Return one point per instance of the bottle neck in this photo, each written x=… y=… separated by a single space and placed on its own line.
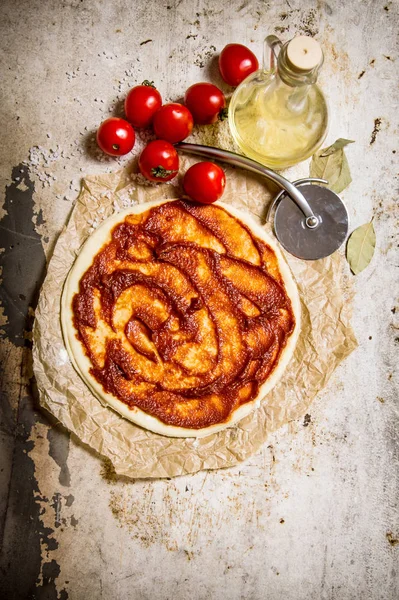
x=294 y=77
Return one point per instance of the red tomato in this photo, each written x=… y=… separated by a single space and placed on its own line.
x=236 y=62
x=206 y=103
x=204 y=182
x=159 y=161
x=141 y=104
x=116 y=136
x=173 y=122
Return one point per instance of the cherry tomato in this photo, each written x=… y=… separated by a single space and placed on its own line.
x=206 y=103
x=159 y=161
x=116 y=136
x=173 y=122
x=204 y=182
x=141 y=104
x=236 y=62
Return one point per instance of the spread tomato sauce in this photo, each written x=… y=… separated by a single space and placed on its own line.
x=183 y=314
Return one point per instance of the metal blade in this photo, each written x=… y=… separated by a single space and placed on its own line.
x=326 y=238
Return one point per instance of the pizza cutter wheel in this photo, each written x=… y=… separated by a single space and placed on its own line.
x=310 y=221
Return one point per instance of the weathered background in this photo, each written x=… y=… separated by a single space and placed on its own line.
x=314 y=515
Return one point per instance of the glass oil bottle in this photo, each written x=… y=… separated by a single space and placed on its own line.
x=278 y=115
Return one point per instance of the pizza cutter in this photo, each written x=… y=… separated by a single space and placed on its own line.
x=310 y=221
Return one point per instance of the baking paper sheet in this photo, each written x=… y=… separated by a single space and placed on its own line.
x=325 y=340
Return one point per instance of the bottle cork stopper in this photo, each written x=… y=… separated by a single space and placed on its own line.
x=304 y=53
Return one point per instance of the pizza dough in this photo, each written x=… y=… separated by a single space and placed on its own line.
x=180 y=317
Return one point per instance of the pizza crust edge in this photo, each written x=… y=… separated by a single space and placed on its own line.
x=81 y=361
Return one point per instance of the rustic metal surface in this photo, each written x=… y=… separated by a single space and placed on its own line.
x=314 y=515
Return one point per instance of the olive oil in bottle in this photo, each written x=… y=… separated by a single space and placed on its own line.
x=278 y=115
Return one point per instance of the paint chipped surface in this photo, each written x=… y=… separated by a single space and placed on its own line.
x=377 y=127
x=295 y=519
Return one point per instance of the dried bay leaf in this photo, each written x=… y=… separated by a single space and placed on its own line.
x=337 y=145
x=331 y=164
x=360 y=247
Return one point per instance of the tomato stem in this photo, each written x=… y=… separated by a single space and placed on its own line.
x=161 y=172
x=148 y=83
x=224 y=113
x=115 y=146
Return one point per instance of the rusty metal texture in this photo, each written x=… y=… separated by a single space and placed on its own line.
x=314 y=515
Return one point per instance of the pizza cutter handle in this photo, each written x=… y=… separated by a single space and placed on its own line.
x=232 y=158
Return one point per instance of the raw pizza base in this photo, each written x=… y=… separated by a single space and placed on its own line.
x=82 y=363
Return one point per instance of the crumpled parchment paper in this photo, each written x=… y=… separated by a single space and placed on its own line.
x=325 y=340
